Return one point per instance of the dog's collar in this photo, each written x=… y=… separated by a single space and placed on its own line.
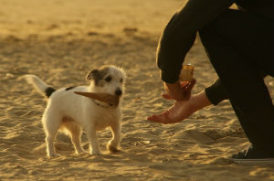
x=100 y=104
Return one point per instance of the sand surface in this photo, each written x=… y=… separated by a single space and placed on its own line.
x=61 y=41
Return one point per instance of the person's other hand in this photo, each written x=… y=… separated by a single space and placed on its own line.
x=179 y=91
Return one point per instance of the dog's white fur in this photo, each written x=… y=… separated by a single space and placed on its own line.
x=71 y=113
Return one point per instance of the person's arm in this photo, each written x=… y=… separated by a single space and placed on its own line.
x=182 y=109
x=180 y=32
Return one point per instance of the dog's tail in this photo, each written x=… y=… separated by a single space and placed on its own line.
x=39 y=85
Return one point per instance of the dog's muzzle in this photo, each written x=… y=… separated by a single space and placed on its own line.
x=118 y=92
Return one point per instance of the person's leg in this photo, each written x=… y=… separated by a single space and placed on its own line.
x=239 y=46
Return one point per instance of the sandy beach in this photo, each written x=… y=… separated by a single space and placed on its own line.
x=61 y=41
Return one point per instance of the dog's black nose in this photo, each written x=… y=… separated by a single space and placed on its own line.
x=118 y=92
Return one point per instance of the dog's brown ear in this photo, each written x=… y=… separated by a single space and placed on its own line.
x=92 y=75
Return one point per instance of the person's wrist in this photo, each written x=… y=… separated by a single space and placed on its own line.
x=172 y=85
x=199 y=101
x=194 y=103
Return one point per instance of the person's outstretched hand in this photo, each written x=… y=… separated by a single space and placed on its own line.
x=182 y=108
x=178 y=112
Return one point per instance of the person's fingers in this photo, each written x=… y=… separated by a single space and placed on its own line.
x=190 y=85
x=186 y=87
x=160 y=118
x=167 y=96
x=173 y=95
x=184 y=83
x=156 y=118
x=163 y=118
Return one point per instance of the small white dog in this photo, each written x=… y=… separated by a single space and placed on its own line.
x=72 y=113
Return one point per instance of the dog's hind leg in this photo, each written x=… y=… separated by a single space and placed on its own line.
x=51 y=123
x=76 y=140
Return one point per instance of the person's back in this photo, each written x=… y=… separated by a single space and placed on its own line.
x=260 y=7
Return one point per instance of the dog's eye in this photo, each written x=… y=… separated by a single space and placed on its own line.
x=108 y=78
x=121 y=80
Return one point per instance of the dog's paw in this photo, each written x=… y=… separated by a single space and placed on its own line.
x=53 y=155
x=81 y=153
x=95 y=152
x=112 y=149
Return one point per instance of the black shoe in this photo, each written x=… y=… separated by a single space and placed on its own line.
x=252 y=155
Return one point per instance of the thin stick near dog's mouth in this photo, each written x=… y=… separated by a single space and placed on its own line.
x=104 y=97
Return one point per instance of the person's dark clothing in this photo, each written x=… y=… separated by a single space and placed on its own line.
x=216 y=93
x=239 y=44
x=238 y=56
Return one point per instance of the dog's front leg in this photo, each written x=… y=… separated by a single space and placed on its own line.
x=93 y=144
x=116 y=137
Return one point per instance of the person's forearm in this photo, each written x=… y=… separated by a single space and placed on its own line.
x=180 y=33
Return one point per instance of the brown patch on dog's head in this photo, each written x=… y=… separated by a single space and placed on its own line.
x=98 y=75
x=107 y=79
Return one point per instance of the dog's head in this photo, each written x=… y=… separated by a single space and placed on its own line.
x=108 y=79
